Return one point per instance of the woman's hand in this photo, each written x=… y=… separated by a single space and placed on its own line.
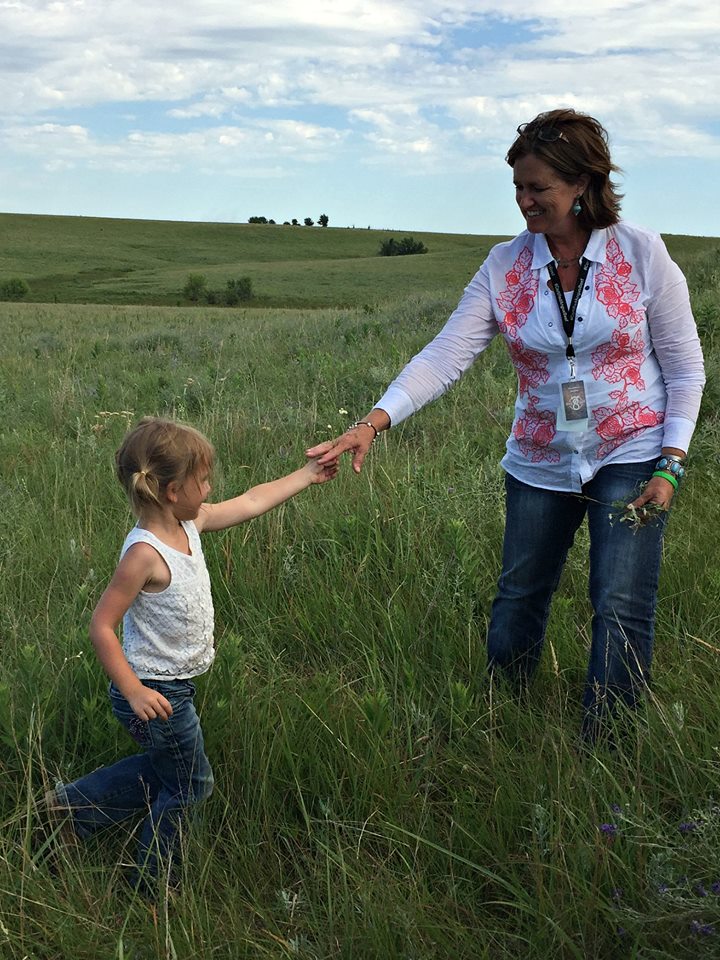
x=658 y=491
x=357 y=439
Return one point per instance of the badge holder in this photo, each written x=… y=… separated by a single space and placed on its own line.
x=572 y=411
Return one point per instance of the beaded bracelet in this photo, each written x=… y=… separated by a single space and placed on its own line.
x=671 y=464
x=666 y=476
x=366 y=423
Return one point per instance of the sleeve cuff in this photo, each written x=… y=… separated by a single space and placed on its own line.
x=396 y=404
x=678 y=433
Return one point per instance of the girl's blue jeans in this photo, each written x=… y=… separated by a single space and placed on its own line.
x=170 y=774
x=624 y=573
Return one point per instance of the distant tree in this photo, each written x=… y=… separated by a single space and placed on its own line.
x=258 y=220
x=286 y=223
x=13 y=289
x=401 y=248
x=195 y=287
x=295 y=222
x=308 y=222
x=323 y=219
x=271 y=221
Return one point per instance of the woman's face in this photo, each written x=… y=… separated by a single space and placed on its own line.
x=545 y=200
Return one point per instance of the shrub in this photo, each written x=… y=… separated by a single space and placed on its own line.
x=13 y=289
x=195 y=287
x=401 y=248
x=237 y=291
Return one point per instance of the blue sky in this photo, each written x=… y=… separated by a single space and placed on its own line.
x=382 y=113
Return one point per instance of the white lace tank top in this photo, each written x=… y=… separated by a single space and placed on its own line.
x=169 y=635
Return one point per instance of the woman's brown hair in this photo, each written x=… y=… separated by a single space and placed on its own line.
x=574 y=144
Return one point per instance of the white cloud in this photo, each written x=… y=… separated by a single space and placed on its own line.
x=221 y=147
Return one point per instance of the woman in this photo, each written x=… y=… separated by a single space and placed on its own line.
x=597 y=320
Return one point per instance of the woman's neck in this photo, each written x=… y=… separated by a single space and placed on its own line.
x=568 y=247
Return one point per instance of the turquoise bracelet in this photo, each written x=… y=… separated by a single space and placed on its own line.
x=666 y=476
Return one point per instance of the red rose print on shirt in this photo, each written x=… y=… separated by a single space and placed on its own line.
x=517 y=299
x=620 y=360
x=616 y=425
x=615 y=289
x=534 y=432
x=531 y=367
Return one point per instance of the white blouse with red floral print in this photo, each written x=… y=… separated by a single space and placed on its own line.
x=636 y=344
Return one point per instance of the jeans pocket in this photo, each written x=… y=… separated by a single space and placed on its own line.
x=123 y=713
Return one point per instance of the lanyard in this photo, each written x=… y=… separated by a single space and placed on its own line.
x=568 y=316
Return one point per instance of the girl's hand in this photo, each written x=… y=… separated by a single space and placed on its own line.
x=657 y=490
x=321 y=473
x=148 y=704
x=357 y=439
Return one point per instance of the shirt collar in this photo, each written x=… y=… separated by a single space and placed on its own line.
x=595 y=251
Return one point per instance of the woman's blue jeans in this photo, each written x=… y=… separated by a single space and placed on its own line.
x=170 y=774
x=624 y=573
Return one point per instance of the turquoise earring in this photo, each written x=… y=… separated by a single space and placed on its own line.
x=577 y=207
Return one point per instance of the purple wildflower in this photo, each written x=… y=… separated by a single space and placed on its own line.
x=616 y=808
x=700 y=890
x=702 y=929
x=609 y=829
x=617 y=893
x=715 y=887
x=689 y=826
x=663 y=888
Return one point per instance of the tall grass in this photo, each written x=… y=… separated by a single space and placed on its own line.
x=375 y=797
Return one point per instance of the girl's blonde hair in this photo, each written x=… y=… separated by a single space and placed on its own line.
x=158 y=452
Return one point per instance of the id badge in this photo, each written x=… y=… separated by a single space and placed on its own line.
x=573 y=412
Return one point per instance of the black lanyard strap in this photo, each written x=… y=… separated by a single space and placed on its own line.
x=568 y=316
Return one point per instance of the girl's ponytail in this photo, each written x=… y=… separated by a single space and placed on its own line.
x=144 y=490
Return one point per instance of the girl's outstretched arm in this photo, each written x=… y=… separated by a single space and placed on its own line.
x=137 y=569
x=260 y=499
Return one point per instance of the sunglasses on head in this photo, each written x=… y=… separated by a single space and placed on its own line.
x=547 y=134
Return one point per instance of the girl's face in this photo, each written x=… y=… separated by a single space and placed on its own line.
x=188 y=498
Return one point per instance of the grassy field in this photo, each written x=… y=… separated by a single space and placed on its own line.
x=374 y=798
x=86 y=260
x=94 y=260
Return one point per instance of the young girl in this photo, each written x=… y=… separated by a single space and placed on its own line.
x=161 y=592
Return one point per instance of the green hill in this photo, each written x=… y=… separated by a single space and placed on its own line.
x=97 y=260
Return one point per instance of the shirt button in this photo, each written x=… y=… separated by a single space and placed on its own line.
x=550 y=323
x=580 y=319
x=576 y=451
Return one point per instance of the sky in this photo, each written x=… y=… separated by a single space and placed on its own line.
x=390 y=114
